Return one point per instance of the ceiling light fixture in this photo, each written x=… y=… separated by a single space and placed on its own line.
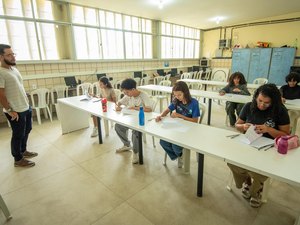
x=160 y=4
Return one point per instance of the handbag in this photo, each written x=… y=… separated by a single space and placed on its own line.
x=286 y=142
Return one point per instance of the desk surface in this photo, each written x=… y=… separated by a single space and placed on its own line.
x=213 y=95
x=206 y=140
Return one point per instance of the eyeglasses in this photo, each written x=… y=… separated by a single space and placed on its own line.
x=11 y=55
x=259 y=102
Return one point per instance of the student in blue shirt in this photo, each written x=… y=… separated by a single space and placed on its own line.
x=182 y=106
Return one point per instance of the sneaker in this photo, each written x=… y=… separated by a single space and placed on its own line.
x=245 y=191
x=95 y=132
x=180 y=162
x=135 y=158
x=28 y=154
x=123 y=149
x=24 y=163
x=255 y=202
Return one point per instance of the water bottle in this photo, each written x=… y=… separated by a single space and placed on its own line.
x=141 y=116
x=104 y=104
x=283 y=145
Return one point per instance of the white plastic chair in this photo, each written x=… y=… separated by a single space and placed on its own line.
x=185 y=76
x=137 y=80
x=95 y=89
x=186 y=153
x=260 y=81
x=197 y=76
x=162 y=96
x=40 y=100
x=117 y=84
x=4 y=209
x=158 y=79
x=60 y=91
x=264 y=194
x=207 y=75
x=84 y=88
x=167 y=77
x=145 y=81
x=153 y=106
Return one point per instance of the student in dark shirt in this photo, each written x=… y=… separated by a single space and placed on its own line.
x=236 y=85
x=291 y=90
x=271 y=119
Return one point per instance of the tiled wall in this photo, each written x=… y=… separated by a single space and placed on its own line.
x=48 y=69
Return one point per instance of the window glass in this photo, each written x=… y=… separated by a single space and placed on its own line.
x=48 y=41
x=90 y=16
x=77 y=14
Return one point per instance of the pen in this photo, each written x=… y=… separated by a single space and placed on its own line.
x=233 y=136
x=98 y=100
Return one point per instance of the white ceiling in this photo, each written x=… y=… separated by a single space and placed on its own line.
x=199 y=13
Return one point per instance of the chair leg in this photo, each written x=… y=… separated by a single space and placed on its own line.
x=50 y=115
x=5 y=209
x=229 y=185
x=144 y=138
x=165 y=159
x=266 y=188
x=45 y=113
x=186 y=160
x=153 y=142
x=38 y=115
x=106 y=127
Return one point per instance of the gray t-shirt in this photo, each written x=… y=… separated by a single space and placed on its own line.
x=142 y=99
x=11 y=81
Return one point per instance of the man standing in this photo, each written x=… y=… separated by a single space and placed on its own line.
x=15 y=107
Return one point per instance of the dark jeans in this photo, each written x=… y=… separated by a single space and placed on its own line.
x=20 y=132
x=230 y=108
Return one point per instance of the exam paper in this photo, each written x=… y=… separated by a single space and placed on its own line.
x=173 y=123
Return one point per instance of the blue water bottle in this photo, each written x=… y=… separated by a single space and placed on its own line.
x=141 y=116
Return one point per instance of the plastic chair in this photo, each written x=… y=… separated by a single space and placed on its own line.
x=260 y=81
x=60 y=91
x=158 y=79
x=95 y=89
x=153 y=106
x=84 y=88
x=167 y=77
x=117 y=85
x=162 y=96
x=5 y=209
x=264 y=194
x=185 y=76
x=197 y=76
x=145 y=81
x=42 y=101
x=186 y=153
x=137 y=80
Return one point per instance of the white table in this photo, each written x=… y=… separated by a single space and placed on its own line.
x=200 y=138
x=75 y=115
x=213 y=95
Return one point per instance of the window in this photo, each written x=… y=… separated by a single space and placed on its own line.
x=179 y=41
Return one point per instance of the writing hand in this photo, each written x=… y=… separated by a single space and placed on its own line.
x=158 y=118
x=246 y=126
x=118 y=108
x=260 y=129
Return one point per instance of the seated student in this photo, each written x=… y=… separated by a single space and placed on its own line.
x=291 y=90
x=106 y=91
x=271 y=119
x=182 y=106
x=133 y=99
x=236 y=85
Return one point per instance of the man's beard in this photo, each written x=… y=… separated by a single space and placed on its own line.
x=9 y=63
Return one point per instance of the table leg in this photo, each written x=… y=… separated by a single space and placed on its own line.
x=209 y=111
x=205 y=88
x=200 y=175
x=140 y=138
x=99 y=130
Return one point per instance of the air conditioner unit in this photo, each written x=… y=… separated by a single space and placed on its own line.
x=224 y=43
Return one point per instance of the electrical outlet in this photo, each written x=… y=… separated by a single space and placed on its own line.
x=33 y=86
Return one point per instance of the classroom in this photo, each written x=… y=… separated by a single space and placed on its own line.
x=79 y=175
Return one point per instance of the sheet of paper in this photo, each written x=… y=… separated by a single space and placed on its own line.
x=258 y=143
x=127 y=111
x=172 y=123
x=293 y=102
x=251 y=134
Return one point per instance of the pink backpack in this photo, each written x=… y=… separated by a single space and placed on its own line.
x=286 y=142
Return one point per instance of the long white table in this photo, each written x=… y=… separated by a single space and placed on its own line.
x=203 y=139
x=213 y=95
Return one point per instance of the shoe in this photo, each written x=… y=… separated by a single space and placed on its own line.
x=245 y=191
x=24 y=163
x=95 y=132
x=180 y=162
x=28 y=154
x=123 y=149
x=255 y=202
x=135 y=158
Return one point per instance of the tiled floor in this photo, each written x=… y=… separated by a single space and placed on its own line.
x=78 y=181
